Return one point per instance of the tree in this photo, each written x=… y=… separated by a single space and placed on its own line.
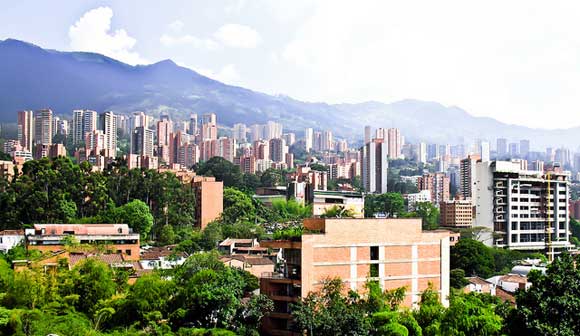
x=429 y=215
x=328 y=312
x=136 y=214
x=469 y=315
x=457 y=278
x=237 y=206
x=551 y=305
x=167 y=235
x=390 y=203
x=222 y=170
x=92 y=281
x=473 y=257
x=337 y=211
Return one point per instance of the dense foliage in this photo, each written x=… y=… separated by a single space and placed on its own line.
x=331 y=312
x=194 y=299
x=475 y=258
x=59 y=191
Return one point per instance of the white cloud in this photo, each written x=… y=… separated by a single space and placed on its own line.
x=515 y=61
x=229 y=35
x=237 y=36
x=178 y=40
x=92 y=32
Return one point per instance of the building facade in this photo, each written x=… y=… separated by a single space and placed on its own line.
x=522 y=207
x=394 y=252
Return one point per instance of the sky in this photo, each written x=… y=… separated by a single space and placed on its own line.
x=515 y=61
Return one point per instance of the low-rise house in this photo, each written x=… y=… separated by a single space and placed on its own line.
x=10 y=239
x=164 y=257
x=511 y=282
x=113 y=238
x=479 y=285
x=256 y=265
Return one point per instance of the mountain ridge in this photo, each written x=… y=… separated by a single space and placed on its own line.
x=32 y=77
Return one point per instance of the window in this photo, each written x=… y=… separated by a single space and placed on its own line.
x=119 y=230
x=374 y=268
x=128 y=252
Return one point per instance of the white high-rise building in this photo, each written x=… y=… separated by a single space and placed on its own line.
x=84 y=121
x=374 y=167
x=520 y=207
x=108 y=124
x=308 y=139
x=240 y=133
x=484 y=151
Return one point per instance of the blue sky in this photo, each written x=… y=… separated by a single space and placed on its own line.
x=516 y=61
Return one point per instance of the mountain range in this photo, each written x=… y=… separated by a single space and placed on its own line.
x=32 y=78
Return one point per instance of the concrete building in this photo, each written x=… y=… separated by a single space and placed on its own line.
x=318 y=179
x=240 y=132
x=327 y=141
x=83 y=122
x=437 y=183
x=290 y=138
x=142 y=141
x=43 y=127
x=467 y=175
x=521 y=207
x=209 y=127
x=108 y=124
x=367 y=136
x=117 y=238
x=193 y=127
x=374 y=166
x=308 y=139
x=456 y=213
x=278 y=149
x=394 y=252
x=10 y=239
x=324 y=200
x=524 y=148
x=501 y=149
x=26 y=129
x=209 y=200
x=395 y=143
x=420 y=197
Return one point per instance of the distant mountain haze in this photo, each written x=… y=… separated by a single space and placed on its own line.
x=34 y=78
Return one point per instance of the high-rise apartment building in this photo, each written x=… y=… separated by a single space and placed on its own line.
x=108 y=124
x=164 y=137
x=395 y=143
x=43 y=127
x=308 y=139
x=514 y=150
x=193 y=127
x=367 y=138
x=290 y=138
x=421 y=152
x=520 y=207
x=142 y=141
x=502 y=148
x=437 y=183
x=484 y=150
x=278 y=150
x=139 y=119
x=374 y=166
x=26 y=129
x=240 y=133
x=524 y=148
x=467 y=176
x=327 y=141
x=209 y=127
x=83 y=122
x=227 y=148
x=272 y=130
